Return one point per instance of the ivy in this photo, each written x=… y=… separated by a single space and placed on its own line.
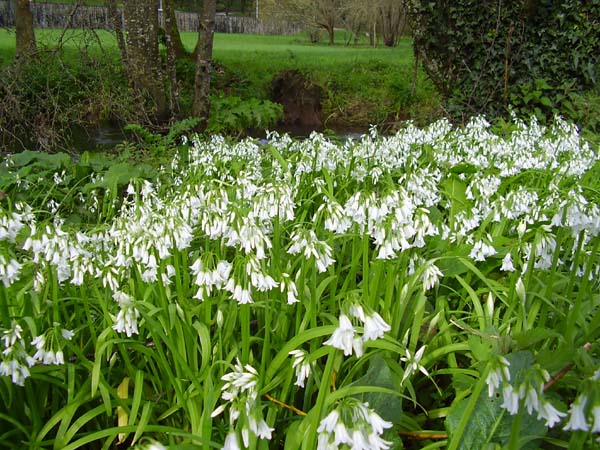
x=484 y=54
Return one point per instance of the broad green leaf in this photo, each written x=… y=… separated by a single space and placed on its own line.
x=491 y=424
x=389 y=407
x=533 y=336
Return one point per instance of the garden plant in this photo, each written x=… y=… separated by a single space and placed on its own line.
x=437 y=288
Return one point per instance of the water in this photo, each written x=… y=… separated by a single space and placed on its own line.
x=106 y=136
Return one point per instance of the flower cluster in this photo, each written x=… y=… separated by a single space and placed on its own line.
x=16 y=357
x=347 y=338
x=241 y=394
x=301 y=364
x=584 y=412
x=528 y=392
x=353 y=424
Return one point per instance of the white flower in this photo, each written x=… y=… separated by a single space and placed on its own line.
x=352 y=424
x=413 y=363
x=507 y=263
x=259 y=427
x=481 y=250
x=357 y=311
x=498 y=374
x=242 y=295
x=431 y=276
x=231 y=442
x=67 y=334
x=9 y=271
x=511 y=399
x=342 y=336
x=15 y=370
x=240 y=380
x=306 y=241
x=577 y=419
x=126 y=321
x=596 y=415
x=302 y=366
x=532 y=399
x=329 y=422
x=155 y=445
x=221 y=273
x=520 y=290
x=374 y=327
x=12 y=335
x=240 y=391
x=288 y=285
x=549 y=413
x=357 y=346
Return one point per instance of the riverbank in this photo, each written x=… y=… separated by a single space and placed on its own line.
x=360 y=86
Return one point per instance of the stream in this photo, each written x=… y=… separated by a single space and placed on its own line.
x=107 y=136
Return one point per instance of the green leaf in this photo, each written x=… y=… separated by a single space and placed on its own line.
x=533 y=336
x=481 y=349
x=379 y=374
x=491 y=424
x=295 y=435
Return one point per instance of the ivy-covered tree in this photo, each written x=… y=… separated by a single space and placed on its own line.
x=483 y=55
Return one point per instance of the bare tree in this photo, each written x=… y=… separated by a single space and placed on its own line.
x=24 y=29
x=323 y=14
x=201 y=108
x=393 y=17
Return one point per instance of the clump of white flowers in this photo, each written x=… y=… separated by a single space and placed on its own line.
x=528 y=394
x=126 y=320
x=307 y=243
x=301 y=364
x=240 y=391
x=16 y=357
x=352 y=424
x=584 y=412
x=347 y=338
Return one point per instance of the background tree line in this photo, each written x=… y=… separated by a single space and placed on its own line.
x=378 y=19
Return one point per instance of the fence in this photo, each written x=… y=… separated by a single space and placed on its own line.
x=52 y=15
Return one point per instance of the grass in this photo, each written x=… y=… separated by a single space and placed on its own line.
x=432 y=289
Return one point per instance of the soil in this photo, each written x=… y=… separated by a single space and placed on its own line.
x=301 y=99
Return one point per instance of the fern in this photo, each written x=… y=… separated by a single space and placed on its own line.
x=234 y=116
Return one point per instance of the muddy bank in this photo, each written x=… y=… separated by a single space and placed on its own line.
x=301 y=99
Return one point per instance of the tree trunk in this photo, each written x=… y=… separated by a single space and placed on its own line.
x=141 y=22
x=24 y=29
x=172 y=30
x=331 y=32
x=116 y=17
x=174 y=45
x=204 y=63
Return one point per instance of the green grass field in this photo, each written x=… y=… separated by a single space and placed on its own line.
x=238 y=46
